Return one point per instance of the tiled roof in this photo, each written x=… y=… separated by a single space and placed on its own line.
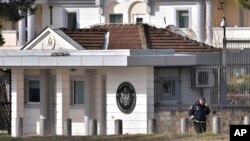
x=87 y=38
x=123 y=36
x=135 y=36
x=165 y=39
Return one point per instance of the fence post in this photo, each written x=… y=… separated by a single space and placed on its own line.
x=151 y=126
x=67 y=127
x=93 y=127
x=19 y=126
x=118 y=127
x=216 y=125
x=184 y=125
x=43 y=126
x=246 y=120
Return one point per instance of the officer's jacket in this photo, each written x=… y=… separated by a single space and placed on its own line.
x=199 y=111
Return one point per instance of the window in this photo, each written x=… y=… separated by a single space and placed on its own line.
x=78 y=92
x=116 y=18
x=71 y=20
x=139 y=20
x=168 y=88
x=183 y=18
x=33 y=91
x=203 y=78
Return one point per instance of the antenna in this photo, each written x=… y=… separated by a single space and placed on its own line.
x=165 y=22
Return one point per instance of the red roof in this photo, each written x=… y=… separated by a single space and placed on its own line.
x=135 y=36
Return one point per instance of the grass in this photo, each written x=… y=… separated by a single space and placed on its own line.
x=139 y=137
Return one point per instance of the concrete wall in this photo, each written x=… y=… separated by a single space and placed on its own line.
x=141 y=79
x=169 y=120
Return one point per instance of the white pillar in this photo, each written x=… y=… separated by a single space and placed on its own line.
x=209 y=22
x=31 y=26
x=17 y=98
x=200 y=21
x=44 y=102
x=88 y=100
x=62 y=99
x=103 y=120
x=21 y=32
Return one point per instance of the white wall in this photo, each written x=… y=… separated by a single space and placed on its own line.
x=31 y=121
x=77 y=117
x=161 y=10
x=87 y=16
x=140 y=78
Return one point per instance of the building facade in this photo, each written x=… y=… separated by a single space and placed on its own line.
x=106 y=72
x=192 y=17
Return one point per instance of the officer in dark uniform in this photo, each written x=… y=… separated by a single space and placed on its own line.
x=198 y=113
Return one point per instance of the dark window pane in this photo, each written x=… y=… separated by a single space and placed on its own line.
x=139 y=20
x=203 y=78
x=116 y=18
x=34 y=90
x=78 y=92
x=72 y=23
x=168 y=88
x=183 y=19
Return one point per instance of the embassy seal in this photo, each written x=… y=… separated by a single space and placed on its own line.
x=126 y=97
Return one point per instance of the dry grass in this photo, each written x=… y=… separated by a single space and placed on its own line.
x=140 y=137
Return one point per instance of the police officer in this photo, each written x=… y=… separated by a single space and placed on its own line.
x=198 y=113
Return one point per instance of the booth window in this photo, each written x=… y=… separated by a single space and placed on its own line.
x=78 y=92
x=33 y=91
x=115 y=18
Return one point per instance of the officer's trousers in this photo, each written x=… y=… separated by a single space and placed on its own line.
x=199 y=127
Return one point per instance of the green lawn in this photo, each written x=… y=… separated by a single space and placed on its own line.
x=140 y=137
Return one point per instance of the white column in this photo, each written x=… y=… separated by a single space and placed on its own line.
x=103 y=120
x=21 y=32
x=17 y=98
x=209 y=22
x=31 y=26
x=88 y=99
x=62 y=99
x=200 y=21
x=44 y=102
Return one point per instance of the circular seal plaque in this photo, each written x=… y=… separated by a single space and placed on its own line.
x=126 y=97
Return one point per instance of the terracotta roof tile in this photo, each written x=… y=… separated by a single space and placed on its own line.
x=123 y=36
x=159 y=38
x=135 y=36
x=87 y=38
